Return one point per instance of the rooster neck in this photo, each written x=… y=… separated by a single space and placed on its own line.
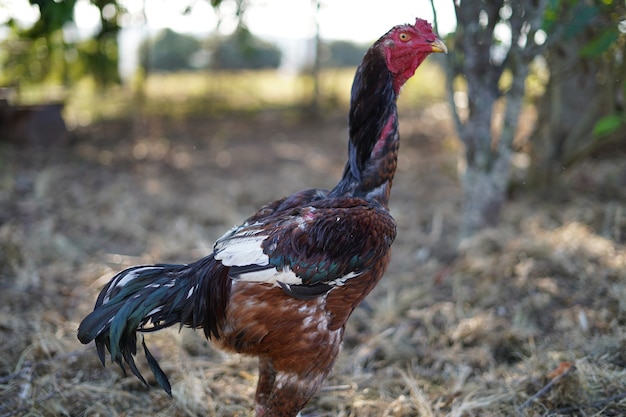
x=373 y=130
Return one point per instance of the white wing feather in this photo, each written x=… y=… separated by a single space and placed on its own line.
x=242 y=246
x=241 y=251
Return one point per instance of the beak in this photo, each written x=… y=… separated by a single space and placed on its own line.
x=439 y=46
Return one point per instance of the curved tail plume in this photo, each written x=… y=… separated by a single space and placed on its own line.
x=149 y=298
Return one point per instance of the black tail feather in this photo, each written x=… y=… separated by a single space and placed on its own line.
x=160 y=376
x=150 y=298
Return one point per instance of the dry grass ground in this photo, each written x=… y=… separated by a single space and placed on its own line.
x=524 y=320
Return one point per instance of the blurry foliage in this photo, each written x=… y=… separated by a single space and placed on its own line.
x=339 y=54
x=41 y=54
x=103 y=61
x=53 y=16
x=583 y=109
x=32 y=60
x=37 y=53
x=243 y=50
x=170 y=51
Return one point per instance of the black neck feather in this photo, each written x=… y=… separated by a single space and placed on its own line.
x=372 y=105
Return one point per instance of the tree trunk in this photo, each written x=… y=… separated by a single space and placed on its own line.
x=479 y=58
x=313 y=109
x=484 y=195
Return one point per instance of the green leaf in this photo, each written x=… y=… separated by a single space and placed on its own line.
x=608 y=124
x=581 y=19
x=600 y=44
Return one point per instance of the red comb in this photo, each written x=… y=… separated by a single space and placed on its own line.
x=423 y=26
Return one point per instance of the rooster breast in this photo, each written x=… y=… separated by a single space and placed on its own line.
x=262 y=320
x=296 y=278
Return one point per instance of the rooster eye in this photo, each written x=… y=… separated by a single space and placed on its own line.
x=404 y=37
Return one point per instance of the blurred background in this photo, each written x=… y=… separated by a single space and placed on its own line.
x=138 y=131
x=70 y=51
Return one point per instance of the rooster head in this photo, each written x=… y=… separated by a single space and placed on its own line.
x=406 y=46
x=373 y=118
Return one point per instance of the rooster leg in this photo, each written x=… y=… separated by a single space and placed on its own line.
x=283 y=393
x=267 y=376
x=288 y=395
x=280 y=394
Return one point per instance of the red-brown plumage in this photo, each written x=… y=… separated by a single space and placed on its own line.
x=342 y=302
x=291 y=337
x=283 y=284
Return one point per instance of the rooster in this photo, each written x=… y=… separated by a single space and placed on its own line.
x=283 y=284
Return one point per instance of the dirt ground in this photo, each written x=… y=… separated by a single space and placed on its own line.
x=526 y=319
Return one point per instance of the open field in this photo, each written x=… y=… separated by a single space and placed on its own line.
x=216 y=93
x=524 y=320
